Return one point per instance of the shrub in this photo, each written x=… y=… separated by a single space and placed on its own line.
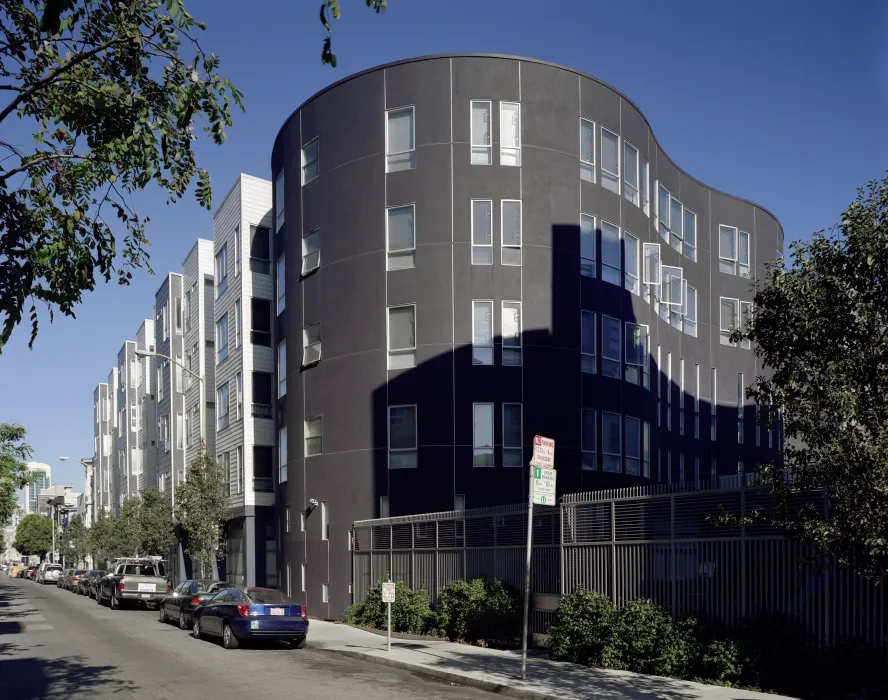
x=582 y=628
x=722 y=661
x=647 y=639
x=474 y=610
x=410 y=611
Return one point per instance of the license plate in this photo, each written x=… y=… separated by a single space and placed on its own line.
x=276 y=611
x=146 y=595
x=254 y=624
x=147 y=587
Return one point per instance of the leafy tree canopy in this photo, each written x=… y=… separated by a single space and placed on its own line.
x=202 y=509
x=156 y=516
x=14 y=473
x=820 y=327
x=329 y=11
x=33 y=536
x=74 y=542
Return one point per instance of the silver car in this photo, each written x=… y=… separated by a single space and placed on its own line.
x=50 y=574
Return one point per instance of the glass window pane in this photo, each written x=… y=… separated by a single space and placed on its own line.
x=651 y=263
x=675 y=218
x=402 y=330
x=510 y=124
x=587 y=141
x=633 y=437
x=610 y=338
x=630 y=164
x=587 y=245
x=610 y=433
x=690 y=227
x=672 y=278
x=511 y=223
x=483 y=425
x=727 y=242
x=402 y=427
x=588 y=333
x=482 y=223
x=480 y=123
x=610 y=245
x=400 y=130
x=691 y=305
x=589 y=441
x=312 y=334
x=512 y=324
x=483 y=333
x=610 y=158
x=400 y=228
x=744 y=248
x=630 y=256
x=636 y=339
x=663 y=206
x=728 y=314
x=511 y=425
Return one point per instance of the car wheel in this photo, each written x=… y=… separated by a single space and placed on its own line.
x=229 y=640
x=298 y=643
x=183 y=623
x=162 y=615
x=195 y=629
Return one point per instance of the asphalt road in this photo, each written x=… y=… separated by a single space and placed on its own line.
x=54 y=644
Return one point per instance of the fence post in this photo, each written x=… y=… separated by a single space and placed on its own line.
x=434 y=596
x=561 y=548
x=412 y=556
x=354 y=582
x=613 y=548
x=672 y=553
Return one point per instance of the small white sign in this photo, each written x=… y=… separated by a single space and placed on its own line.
x=388 y=592
x=543 y=452
x=543 y=486
x=147 y=587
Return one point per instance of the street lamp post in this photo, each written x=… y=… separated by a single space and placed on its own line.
x=202 y=384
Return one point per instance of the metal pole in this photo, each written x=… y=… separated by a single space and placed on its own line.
x=527 y=575
x=54 y=534
x=389 y=622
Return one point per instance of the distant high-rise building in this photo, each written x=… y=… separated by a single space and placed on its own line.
x=43 y=480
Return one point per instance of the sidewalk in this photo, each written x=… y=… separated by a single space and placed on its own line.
x=499 y=671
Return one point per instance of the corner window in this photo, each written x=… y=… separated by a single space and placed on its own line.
x=482 y=432
x=281 y=284
x=311 y=344
x=690 y=234
x=281 y=369
x=630 y=173
x=511 y=333
x=400 y=146
x=610 y=160
x=727 y=249
x=645 y=187
x=589 y=439
x=311 y=251
x=482 y=232
x=610 y=253
x=510 y=238
x=610 y=347
x=690 y=312
x=221 y=270
x=729 y=319
x=633 y=446
x=481 y=148
x=588 y=359
x=587 y=246
x=402 y=437
x=587 y=150
x=611 y=442
x=636 y=354
x=401 y=337
x=222 y=407
x=401 y=237
x=279 y=200
x=313 y=436
x=743 y=257
x=282 y=463
x=512 y=435
x=310 y=161
x=482 y=332
x=222 y=338
x=510 y=133
x=630 y=261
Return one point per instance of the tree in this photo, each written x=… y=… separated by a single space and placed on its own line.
x=156 y=516
x=330 y=10
x=33 y=536
x=820 y=326
x=101 y=539
x=114 y=102
x=74 y=543
x=202 y=509
x=14 y=472
x=126 y=529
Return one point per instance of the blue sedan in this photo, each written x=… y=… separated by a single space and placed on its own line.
x=236 y=614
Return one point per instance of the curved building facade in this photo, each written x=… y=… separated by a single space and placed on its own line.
x=472 y=250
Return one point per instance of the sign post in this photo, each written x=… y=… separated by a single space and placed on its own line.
x=388 y=597
x=541 y=490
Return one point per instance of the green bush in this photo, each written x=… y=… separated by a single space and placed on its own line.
x=722 y=661
x=582 y=628
x=647 y=639
x=411 y=610
x=474 y=610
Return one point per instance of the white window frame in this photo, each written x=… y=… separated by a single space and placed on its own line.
x=630 y=267
x=411 y=151
x=238 y=322
x=307 y=437
x=689 y=250
x=642 y=367
x=727 y=264
x=187 y=310
x=589 y=457
x=503 y=245
x=399 y=352
x=403 y=450
x=614 y=369
x=281 y=283
x=609 y=273
x=180 y=430
x=745 y=312
x=607 y=175
x=237 y=251
x=511 y=450
x=513 y=355
x=474 y=147
x=724 y=332
x=401 y=253
x=481 y=359
x=645 y=182
x=134 y=417
x=743 y=267
x=279 y=196
x=511 y=150
x=306 y=164
x=676 y=230
x=283 y=460
x=588 y=266
x=308 y=360
x=667 y=287
x=589 y=361
x=282 y=371
x=485 y=450
x=630 y=190
x=690 y=311
x=325 y=531
x=306 y=265
x=661 y=224
x=587 y=168
x=219 y=344
x=221 y=272
x=239 y=395
x=472 y=231
x=615 y=458
x=222 y=406
x=651 y=263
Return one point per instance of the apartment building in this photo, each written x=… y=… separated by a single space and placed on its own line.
x=42 y=480
x=145 y=422
x=244 y=377
x=128 y=456
x=113 y=449
x=101 y=489
x=169 y=383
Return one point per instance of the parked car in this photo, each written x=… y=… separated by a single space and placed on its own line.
x=74 y=583
x=90 y=580
x=65 y=579
x=134 y=581
x=236 y=614
x=16 y=571
x=179 y=606
x=30 y=571
x=50 y=574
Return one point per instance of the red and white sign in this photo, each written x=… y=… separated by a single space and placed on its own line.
x=543 y=452
x=388 y=592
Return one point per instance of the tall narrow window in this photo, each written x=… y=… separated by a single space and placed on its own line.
x=314 y=436
x=587 y=150
x=237 y=250
x=610 y=160
x=279 y=201
x=180 y=430
x=402 y=437
x=646 y=450
x=282 y=368
x=633 y=446
x=482 y=434
x=221 y=271
x=610 y=347
x=727 y=249
x=743 y=255
x=482 y=232
x=651 y=270
x=630 y=261
x=177 y=315
x=510 y=133
x=512 y=435
x=636 y=351
x=729 y=319
x=587 y=246
x=482 y=334
x=745 y=318
x=481 y=148
x=758 y=426
x=310 y=154
x=511 y=333
x=690 y=311
x=281 y=284
x=222 y=338
x=401 y=237
x=282 y=458
x=610 y=253
x=260 y=250
x=696 y=470
x=588 y=354
x=645 y=188
x=713 y=409
x=222 y=407
x=589 y=439
x=189 y=438
x=239 y=395
x=663 y=212
x=325 y=532
x=187 y=310
x=611 y=442
x=676 y=223
x=401 y=337
x=134 y=417
x=681 y=468
x=630 y=172
x=681 y=396
x=238 y=323
x=311 y=344
x=510 y=237
x=400 y=147
x=311 y=251
x=690 y=234
x=697 y=401
x=740 y=426
x=669 y=391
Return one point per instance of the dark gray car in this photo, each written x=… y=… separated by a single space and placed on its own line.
x=179 y=605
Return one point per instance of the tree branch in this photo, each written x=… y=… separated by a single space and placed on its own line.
x=47 y=157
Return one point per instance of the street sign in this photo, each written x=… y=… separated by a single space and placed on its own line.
x=543 y=489
x=543 y=452
x=388 y=592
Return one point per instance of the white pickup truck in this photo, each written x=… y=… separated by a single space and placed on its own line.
x=128 y=581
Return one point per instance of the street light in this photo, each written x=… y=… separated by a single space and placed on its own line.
x=89 y=466
x=203 y=389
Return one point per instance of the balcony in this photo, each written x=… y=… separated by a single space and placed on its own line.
x=261 y=410
x=265 y=484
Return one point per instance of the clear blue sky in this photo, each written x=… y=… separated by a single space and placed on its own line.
x=781 y=102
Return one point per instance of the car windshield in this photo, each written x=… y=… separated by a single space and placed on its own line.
x=144 y=570
x=53 y=568
x=266 y=595
x=210 y=586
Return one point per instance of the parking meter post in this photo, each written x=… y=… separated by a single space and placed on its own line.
x=527 y=576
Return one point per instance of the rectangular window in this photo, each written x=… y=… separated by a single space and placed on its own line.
x=481 y=148
x=482 y=434
x=237 y=252
x=690 y=234
x=311 y=251
x=238 y=323
x=239 y=395
x=633 y=446
x=671 y=291
x=401 y=237
x=282 y=461
x=611 y=442
x=325 y=530
x=589 y=439
x=630 y=262
x=482 y=333
x=221 y=270
x=588 y=343
x=610 y=160
x=663 y=212
x=482 y=232
x=401 y=337
x=187 y=310
x=651 y=270
x=630 y=172
x=758 y=426
x=713 y=409
x=222 y=338
x=510 y=234
x=313 y=436
x=260 y=322
x=681 y=396
x=165 y=432
x=279 y=201
x=180 y=431
x=511 y=330
x=610 y=253
x=260 y=250
x=645 y=187
x=384 y=506
x=676 y=219
x=222 y=407
x=512 y=435
x=189 y=438
x=281 y=283
x=159 y=372
x=287 y=529
x=400 y=139
x=745 y=318
x=743 y=255
x=587 y=150
x=669 y=467
x=134 y=417
x=311 y=344
x=282 y=368
x=690 y=311
x=697 y=401
x=310 y=161
x=681 y=468
x=587 y=246
x=402 y=437
x=696 y=470
x=510 y=133
x=239 y=468
x=727 y=249
x=177 y=315
x=610 y=347
x=646 y=449
x=636 y=354
x=729 y=319
x=302 y=570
